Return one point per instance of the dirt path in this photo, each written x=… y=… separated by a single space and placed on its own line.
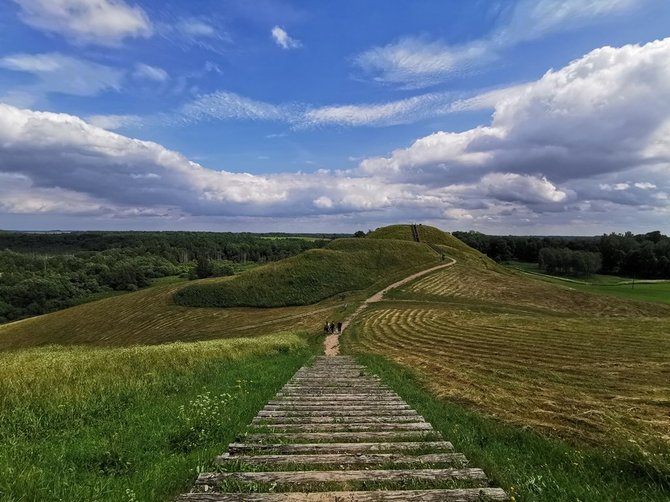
x=332 y=343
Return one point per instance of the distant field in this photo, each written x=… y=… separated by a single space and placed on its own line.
x=622 y=287
x=133 y=423
x=588 y=368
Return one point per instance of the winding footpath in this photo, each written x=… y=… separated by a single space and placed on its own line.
x=332 y=343
x=336 y=433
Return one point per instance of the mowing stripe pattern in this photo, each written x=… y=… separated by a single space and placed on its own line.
x=336 y=433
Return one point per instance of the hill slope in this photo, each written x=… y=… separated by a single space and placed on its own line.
x=344 y=265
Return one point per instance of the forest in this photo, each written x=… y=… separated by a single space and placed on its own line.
x=645 y=256
x=43 y=272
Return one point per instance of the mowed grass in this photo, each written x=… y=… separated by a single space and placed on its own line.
x=344 y=266
x=588 y=369
x=627 y=288
x=528 y=465
x=150 y=316
x=131 y=424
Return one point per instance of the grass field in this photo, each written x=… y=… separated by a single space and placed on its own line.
x=131 y=424
x=628 y=288
x=530 y=466
x=589 y=369
x=150 y=316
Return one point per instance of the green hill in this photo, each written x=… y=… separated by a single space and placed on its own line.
x=343 y=266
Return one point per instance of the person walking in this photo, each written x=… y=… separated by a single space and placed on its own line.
x=339 y=327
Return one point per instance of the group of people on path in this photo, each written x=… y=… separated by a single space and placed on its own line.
x=331 y=327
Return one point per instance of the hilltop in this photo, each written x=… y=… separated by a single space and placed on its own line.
x=342 y=267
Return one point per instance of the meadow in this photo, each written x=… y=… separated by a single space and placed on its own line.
x=589 y=370
x=623 y=287
x=557 y=392
x=134 y=423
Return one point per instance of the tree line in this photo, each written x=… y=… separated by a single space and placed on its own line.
x=626 y=254
x=43 y=272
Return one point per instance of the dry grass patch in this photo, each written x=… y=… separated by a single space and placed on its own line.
x=496 y=285
x=151 y=317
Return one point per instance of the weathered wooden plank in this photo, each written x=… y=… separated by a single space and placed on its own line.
x=353 y=397
x=293 y=405
x=343 y=427
x=387 y=419
x=375 y=475
x=351 y=448
x=375 y=412
x=338 y=459
x=453 y=495
x=328 y=395
x=342 y=436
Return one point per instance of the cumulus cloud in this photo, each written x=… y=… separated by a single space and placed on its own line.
x=413 y=62
x=100 y=22
x=283 y=40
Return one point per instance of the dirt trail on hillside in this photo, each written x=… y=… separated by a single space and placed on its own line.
x=332 y=343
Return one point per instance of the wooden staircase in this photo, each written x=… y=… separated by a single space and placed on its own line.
x=336 y=433
x=415 y=232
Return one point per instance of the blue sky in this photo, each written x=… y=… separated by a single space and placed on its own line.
x=528 y=116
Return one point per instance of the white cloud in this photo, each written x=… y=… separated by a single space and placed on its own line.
x=196 y=28
x=148 y=72
x=283 y=40
x=228 y=105
x=570 y=150
x=112 y=122
x=413 y=62
x=644 y=185
x=513 y=187
x=101 y=22
x=63 y=74
x=417 y=63
x=394 y=112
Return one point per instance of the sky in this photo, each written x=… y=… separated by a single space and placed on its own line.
x=507 y=117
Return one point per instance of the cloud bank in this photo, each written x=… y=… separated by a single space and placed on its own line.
x=583 y=143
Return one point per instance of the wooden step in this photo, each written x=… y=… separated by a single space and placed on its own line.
x=338 y=395
x=338 y=413
x=346 y=427
x=297 y=437
x=452 y=495
x=339 y=459
x=351 y=448
x=293 y=406
x=372 y=475
x=345 y=397
x=388 y=419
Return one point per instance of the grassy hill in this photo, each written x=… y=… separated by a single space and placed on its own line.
x=343 y=266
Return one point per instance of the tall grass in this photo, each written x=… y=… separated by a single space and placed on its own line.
x=133 y=423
